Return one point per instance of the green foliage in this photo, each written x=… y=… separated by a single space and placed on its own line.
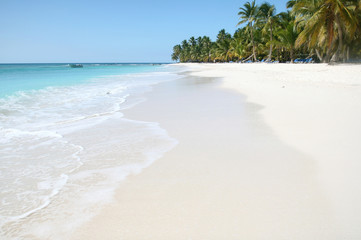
x=327 y=30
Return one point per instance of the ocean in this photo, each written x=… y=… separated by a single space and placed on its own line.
x=65 y=144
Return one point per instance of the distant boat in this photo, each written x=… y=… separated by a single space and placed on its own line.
x=76 y=65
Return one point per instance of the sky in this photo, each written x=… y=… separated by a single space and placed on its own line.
x=46 y=31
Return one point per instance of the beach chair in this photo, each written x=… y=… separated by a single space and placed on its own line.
x=309 y=60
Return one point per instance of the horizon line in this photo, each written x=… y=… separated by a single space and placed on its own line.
x=85 y=62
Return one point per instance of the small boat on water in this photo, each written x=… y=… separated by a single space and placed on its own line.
x=76 y=65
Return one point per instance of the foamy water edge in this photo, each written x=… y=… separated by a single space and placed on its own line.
x=14 y=225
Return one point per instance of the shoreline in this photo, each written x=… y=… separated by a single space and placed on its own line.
x=88 y=127
x=229 y=177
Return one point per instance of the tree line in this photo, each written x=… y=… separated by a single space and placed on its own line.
x=326 y=30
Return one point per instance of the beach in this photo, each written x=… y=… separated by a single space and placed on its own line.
x=157 y=120
x=265 y=151
x=181 y=151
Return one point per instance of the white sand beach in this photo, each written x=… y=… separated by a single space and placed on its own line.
x=266 y=151
x=316 y=109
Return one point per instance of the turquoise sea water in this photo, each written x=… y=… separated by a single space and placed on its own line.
x=24 y=77
x=65 y=143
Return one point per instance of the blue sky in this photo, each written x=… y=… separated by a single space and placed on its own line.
x=108 y=30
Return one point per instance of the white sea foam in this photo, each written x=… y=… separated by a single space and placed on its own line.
x=64 y=150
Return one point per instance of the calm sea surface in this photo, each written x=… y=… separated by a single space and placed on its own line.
x=22 y=77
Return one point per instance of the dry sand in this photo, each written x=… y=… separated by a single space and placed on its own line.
x=315 y=108
x=281 y=163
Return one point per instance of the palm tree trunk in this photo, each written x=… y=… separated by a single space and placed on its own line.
x=328 y=54
x=344 y=53
x=291 y=53
x=245 y=60
x=330 y=39
x=253 y=47
x=319 y=55
x=340 y=40
x=271 y=46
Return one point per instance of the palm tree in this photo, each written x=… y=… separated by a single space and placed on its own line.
x=223 y=50
x=324 y=22
x=269 y=17
x=287 y=38
x=198 y=49
x=240 y=44
x=223 y=35
x=223 y=45
x=193 y=50
x=185 y=54
x=177 y=49
x=291 y=3
x=206 y=48
x=249 y=14
x=353 y=42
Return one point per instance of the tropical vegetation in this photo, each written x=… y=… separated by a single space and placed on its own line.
x=324 y=30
